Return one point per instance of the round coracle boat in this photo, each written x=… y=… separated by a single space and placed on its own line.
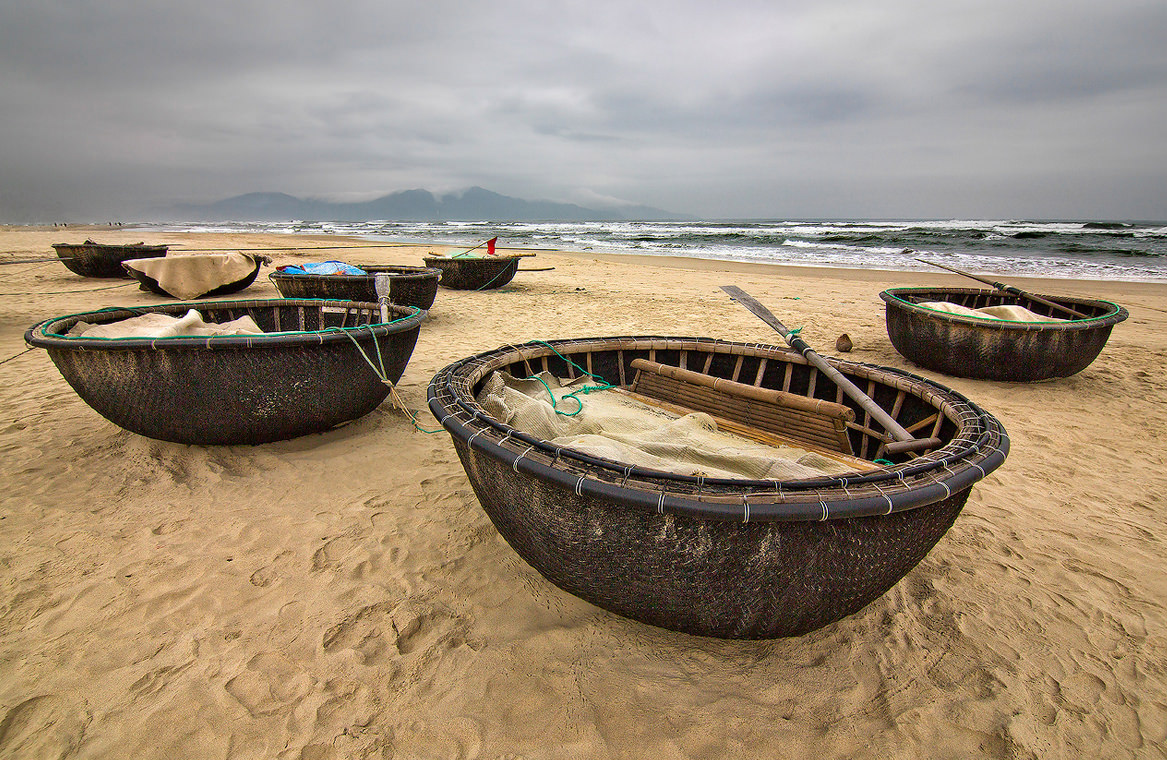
x=315 y=365
x=715 y=555
x=475 y=272
x=959 y=344
x=408 y=286
x=90 y=259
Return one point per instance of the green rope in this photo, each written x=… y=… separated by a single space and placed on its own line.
x=573 y=395
x=584 y=390
x=379 y=370
x=501 y=272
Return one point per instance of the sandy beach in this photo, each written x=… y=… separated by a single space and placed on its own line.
x=343 y=595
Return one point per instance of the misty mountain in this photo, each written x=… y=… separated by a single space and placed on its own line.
x=475 y=204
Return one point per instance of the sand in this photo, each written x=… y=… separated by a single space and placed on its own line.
x=343 y=595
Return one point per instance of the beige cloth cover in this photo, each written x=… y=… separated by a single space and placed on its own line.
x=614 y=426
x=194 y=274
x=165 y=326
x=1005 y=312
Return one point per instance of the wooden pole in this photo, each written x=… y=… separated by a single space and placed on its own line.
x=1010 y=289
x=905 y=441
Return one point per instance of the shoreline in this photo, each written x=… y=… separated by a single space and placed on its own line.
x=659 y=259
x=343 y=594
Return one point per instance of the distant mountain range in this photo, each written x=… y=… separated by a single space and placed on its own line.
x=475 y=204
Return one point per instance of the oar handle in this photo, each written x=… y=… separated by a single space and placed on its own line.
x=1065 y=309
x=1010 y=289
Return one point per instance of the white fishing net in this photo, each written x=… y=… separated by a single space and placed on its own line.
x=156 y=325
x=610 y=424
x=1006 y=312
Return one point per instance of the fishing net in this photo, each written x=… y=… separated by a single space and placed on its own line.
x=157 y=325
x=1006 y=312
x=605 y=422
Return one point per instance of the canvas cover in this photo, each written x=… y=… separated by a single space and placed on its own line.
x=192 y=275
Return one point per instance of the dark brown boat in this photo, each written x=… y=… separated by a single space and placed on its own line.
x=475 y=272
x=724 y=557
x=408 y=286
x=319 y=364
x=997 y=349
x=90 y=259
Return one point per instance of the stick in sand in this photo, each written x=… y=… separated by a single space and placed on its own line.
x=490 y=251
x=904 y=441
x=1010 y=289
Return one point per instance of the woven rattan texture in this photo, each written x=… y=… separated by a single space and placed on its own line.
x=408 y=286
x=483 y=273
x=251 y=391
x=708 y=578
x=97 y=260
x=732 y=558
x=993 y=349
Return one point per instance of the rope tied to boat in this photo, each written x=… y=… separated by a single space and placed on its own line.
x=379 y=370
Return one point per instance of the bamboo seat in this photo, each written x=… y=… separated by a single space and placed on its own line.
x=813 y=422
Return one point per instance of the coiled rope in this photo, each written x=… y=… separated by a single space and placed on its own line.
x=574 y=395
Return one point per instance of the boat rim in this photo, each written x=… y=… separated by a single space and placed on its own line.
x=39 y=336
x=952 y=468
x=1116 y=314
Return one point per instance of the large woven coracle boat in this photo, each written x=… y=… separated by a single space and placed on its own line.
x=90 y=259
x=408 y=286
x=475 y=272
x=997 y=349
x=317 y=365
x=723 y=557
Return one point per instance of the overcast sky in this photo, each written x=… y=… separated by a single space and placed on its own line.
x=737 y=108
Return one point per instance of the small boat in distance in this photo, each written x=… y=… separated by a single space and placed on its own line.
x=408 y=285
x=90 y=259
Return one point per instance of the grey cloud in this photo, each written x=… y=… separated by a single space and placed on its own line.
x=838 y=108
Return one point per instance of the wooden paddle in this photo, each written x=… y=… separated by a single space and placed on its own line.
x=382 y=283
x=904 y=441
x=484 y=242
x=1012 y=290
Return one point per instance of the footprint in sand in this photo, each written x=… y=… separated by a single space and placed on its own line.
x=44 y=726
x=333 y=553
x=269 y=574
x=270 y=683
x=381 y=632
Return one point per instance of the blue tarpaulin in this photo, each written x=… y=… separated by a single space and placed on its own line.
x=323 y=267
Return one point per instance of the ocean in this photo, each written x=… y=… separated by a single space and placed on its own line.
x=1129 y=251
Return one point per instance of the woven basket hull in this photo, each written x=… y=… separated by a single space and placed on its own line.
x=996 y=350
x=408 y=286
x=723 y=558
x=98 y=260
x=484 y=273
x=228 y=391
x=704 y=577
